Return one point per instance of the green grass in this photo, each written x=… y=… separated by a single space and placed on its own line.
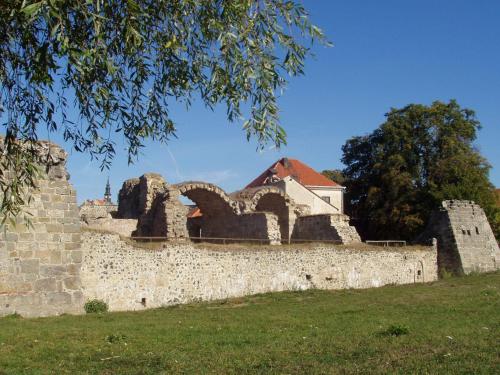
x=451 y=326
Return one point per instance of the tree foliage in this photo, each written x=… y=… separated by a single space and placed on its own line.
x=120 y=64
x=335 y=175
x=418 y=157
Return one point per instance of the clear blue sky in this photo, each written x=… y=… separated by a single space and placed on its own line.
x=387 y=53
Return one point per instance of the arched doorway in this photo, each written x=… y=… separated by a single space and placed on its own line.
x=276 y=202
x=214 y=216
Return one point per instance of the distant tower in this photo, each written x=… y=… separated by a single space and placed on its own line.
x=107 y=193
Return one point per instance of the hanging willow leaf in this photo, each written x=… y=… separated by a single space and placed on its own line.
x=31 y=10
x=123 y=63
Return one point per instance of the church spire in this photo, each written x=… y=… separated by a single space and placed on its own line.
x=107 y=193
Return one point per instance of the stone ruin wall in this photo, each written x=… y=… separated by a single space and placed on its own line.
x=40 y=265
x=132 y=278
x=123 y=227
x=89 y=212
x=264 y=213
x=325 y=227
x=104 y=218
x=51 y=268
x=160 y=213
x=54 y=267
x=465 y=240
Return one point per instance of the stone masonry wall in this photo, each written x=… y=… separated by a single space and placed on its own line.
x=465 y=240
x=123 y=227
x=325 y=227
x=131 y=278
x=89 y=211
x=160 y=213
x=40 y=265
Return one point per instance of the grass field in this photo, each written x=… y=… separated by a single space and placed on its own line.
x=451 y=326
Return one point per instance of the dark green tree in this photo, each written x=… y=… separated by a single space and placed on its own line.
x=123 y=62
x=335 y=175
x=402 y=171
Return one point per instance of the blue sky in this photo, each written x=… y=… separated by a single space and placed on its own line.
x=387 y=53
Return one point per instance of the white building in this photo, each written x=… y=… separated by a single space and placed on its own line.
x=304 y=185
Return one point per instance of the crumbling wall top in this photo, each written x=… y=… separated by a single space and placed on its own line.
x=46 y=154
x=453 y=204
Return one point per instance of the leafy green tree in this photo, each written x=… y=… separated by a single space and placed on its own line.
x=402 y=171
x=123 y=62
x=335 y=175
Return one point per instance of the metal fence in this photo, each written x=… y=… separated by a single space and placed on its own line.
x=263 y=241
x=387 y=243
x=228 y=240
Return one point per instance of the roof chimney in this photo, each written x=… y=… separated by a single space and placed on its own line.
x=286 y=163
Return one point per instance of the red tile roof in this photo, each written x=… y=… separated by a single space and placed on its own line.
x=96 y=202
x=194 y=212
x=295 y=168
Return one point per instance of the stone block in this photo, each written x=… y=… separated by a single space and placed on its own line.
x=72 y=228
x=78 y=298
x=77 y=256
x=72 y=283
x=52 y=270
x=27 y=254
x=72 y=245
x=56 y=214
x=12 y=237
x=46 y=285
x=60 y=206
x=58 y=298
x=42 y=237
x=54 y=227
x=55 y=257
x=43 y=255
x=74 y=268
x=21 y=227
x=30 y=266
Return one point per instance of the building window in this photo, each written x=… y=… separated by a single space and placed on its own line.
x=326 y=199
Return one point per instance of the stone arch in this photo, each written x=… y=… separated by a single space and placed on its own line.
x=274 y=200
x=207 y=196
x=217 y=210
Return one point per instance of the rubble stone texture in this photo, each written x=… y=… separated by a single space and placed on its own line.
x=157 y=207
x=53 y=268
x=128 y=207
x=326 y=227
x=103 y=217
x=269 y=199
x=265 y=213
x=90 y=212
x=124 y=227
x=40 y=265
x=465 y=240
x=131 y=278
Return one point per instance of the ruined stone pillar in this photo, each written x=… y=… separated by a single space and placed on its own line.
x=40 y=264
